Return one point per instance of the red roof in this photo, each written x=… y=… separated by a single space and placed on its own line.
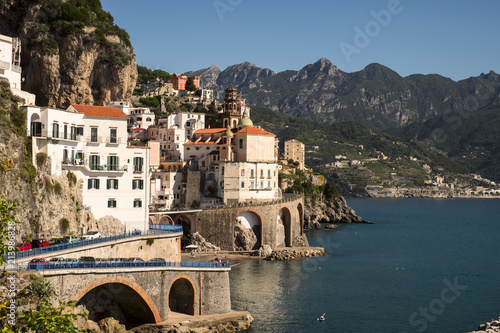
x=253 y=130
x=99 y=111
x=209 y=130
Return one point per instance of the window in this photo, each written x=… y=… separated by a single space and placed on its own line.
x=138 y=163
x=55 y=130
x=65 y=132
x=252 y=173
x=242 y=184
x=261 y=173
x=242 y=172
x=93 y=183
x=111 y=203
x=112 y=184
x=112 y=135
x=137 y=184
x=93 y=134
x=73 y=132
x=241 y=143
x=113 y=162
x=79 y=131
x=137 y=203
x=268 y=173
x=94 y=162
x=148 y=119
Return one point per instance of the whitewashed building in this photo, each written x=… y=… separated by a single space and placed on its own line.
x=10 y=67
x=91 y=142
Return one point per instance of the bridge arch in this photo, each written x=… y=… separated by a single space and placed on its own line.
x=284 y=228
x=165 y=219
x=246 y=222
x=135 y=304
x=181 y=295
x=300 y=211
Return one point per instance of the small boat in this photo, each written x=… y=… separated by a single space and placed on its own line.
x=322 y=317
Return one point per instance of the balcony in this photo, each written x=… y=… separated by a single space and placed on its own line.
x=94 y=140
x=113 y=140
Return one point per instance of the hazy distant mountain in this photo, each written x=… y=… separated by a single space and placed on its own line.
x=376 y=96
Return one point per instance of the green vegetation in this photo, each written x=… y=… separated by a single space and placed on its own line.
x=383 y=159
x=80 y=18
x=41 y=158
x=190 y=84
x=64 y=225
x=146 y=75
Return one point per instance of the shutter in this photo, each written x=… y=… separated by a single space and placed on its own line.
x=116 y=184
x=133 y=185
x=108 y=183
x=141 y=184
x=97 y=183
x=89 y=183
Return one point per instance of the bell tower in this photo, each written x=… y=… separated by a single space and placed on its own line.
x=232 y=108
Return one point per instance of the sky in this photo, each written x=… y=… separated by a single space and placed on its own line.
x=454 y=38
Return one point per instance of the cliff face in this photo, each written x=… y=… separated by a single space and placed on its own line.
x=65 y=62
x=332 y=210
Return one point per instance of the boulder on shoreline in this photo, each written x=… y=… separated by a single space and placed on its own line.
x=289 y=253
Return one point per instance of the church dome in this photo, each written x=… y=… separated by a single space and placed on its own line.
x=245 y=121
x=228 y=132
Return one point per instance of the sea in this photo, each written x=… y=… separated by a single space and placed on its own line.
x=425 y=265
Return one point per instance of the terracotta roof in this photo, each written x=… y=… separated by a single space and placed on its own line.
x=254 y=130
x=99 y=111
x=209 y=130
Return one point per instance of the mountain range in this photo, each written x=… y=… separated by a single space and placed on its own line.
x=448 y=115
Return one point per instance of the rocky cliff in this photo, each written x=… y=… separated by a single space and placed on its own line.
x=71 y=52
x=328 y=210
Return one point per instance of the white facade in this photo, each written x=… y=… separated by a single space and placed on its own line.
x=10 y=66
x=175 y=130
x=91 y=142
x=141 y=117
x=166 y=186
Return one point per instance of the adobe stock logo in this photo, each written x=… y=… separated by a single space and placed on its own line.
x=223 y=6
x=372 y=29
x=420 y=319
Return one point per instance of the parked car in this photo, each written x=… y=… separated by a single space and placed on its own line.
x=25 y=246
x=42 y=242
x=56 y=260
x=71 y=239
x=37 y=261
x=55 y=241
x=157 y=260
x=71 y=260
x=134 y=259
x=86 y=259
x=91 y=235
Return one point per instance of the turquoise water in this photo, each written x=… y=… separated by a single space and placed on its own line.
x=426 y=265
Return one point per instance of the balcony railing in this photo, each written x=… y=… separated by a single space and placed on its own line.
x=113 y=140
x=117 y=264
x=94 y=140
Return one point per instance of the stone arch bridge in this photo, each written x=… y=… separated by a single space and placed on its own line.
x=277 y=223
x=144 y=294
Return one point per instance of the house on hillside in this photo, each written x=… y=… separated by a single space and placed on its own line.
x=91 y=142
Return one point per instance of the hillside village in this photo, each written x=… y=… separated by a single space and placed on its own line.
x=129 y=163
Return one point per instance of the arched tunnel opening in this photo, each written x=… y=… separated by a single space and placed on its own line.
x=181 y=297
x=118 y=301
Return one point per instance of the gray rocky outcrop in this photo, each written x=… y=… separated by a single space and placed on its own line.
x=202 y=244
x=490 y=327
x=289 y=253
x=324 y=210
x=244 y=238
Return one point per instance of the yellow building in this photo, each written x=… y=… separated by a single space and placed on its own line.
x=295 y=150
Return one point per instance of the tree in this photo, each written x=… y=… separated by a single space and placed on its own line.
x=190 y=84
